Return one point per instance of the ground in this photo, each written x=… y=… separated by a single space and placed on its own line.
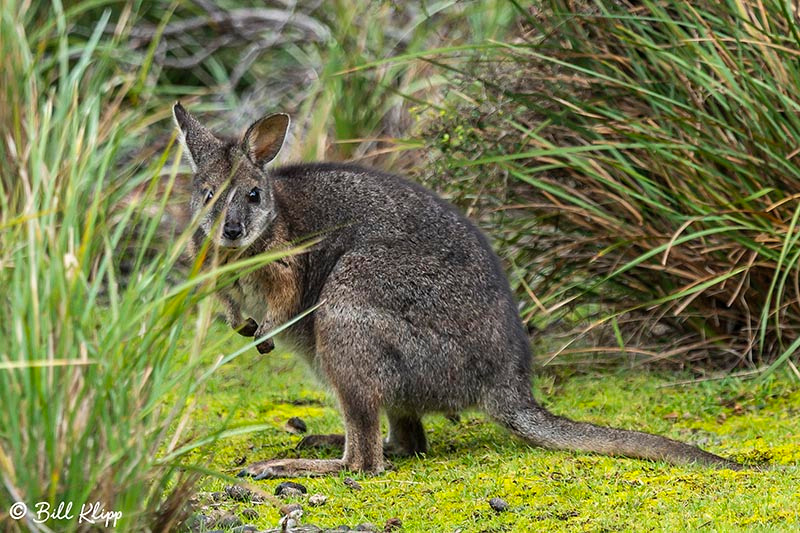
x=472 y=460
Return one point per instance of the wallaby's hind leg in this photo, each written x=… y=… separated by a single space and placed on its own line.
x=363 y=450
x=359 y=399
x=406 y=436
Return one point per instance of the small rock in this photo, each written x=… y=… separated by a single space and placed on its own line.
x=317 y=500
x=238 y=493
x=228 y=521
x=286 y=488
x=290 y=492
x=498 y=504
x=343 y=528
x=250 y=513
x=352 y=483
x=392 y=524
x=247 y=528
x=289 y=508
x=218 y=496
x=199 y=522
x=291 y=520
x=296 y=425
x=366 y=526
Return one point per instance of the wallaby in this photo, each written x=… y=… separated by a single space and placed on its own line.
x=415 y=313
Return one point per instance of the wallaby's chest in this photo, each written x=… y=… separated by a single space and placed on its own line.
x=271 y=292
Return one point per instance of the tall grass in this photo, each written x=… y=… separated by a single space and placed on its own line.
x=95 y=370
x=639 y=161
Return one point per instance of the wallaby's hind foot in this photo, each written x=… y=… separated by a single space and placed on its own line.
x=280 y=468
x=331 y=440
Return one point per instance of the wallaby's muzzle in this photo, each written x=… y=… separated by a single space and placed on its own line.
x=232 y=230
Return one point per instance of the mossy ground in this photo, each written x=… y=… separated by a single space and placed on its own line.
x=473 y=460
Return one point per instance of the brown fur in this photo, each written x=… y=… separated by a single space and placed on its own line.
x=413 y=311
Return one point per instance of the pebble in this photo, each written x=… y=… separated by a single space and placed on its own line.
x=392 y=524
x=498 y=504
x=289 y=508
x=217 y=496
x=291 y=520
x=289 y=492
x=317 y=499
x=247 y=528
x=199 y=522
x=366 y=526
x=352 y=483
x=249 y=513
x=228 y=521
x=296 y=425
x=290 y=488
x=238 y=493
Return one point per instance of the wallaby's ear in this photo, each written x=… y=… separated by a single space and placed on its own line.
x=264 y=138
x=197 y=140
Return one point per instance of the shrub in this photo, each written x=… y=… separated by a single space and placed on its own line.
x=637 y=163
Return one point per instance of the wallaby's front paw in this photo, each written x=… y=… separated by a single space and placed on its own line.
x=248 y=329
x=265 y=346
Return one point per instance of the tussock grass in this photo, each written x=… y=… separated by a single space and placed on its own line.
x=638 y=162
x=95 y=365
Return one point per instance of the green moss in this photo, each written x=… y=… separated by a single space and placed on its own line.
x=474 y=460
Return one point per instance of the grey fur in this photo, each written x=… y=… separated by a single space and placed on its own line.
x=417 y=316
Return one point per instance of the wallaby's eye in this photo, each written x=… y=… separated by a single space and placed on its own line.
x=209 y=195
x=254 y=196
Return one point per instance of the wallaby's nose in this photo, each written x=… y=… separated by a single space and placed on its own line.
x=232 y=230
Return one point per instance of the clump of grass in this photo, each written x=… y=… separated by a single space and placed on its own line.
x=94 y=373
x=644 y=155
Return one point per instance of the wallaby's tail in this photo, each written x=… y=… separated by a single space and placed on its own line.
x=538 y=426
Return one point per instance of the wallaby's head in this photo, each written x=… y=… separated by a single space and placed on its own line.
x=231 y=190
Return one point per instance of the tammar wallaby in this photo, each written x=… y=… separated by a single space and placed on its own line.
x=415 y=313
